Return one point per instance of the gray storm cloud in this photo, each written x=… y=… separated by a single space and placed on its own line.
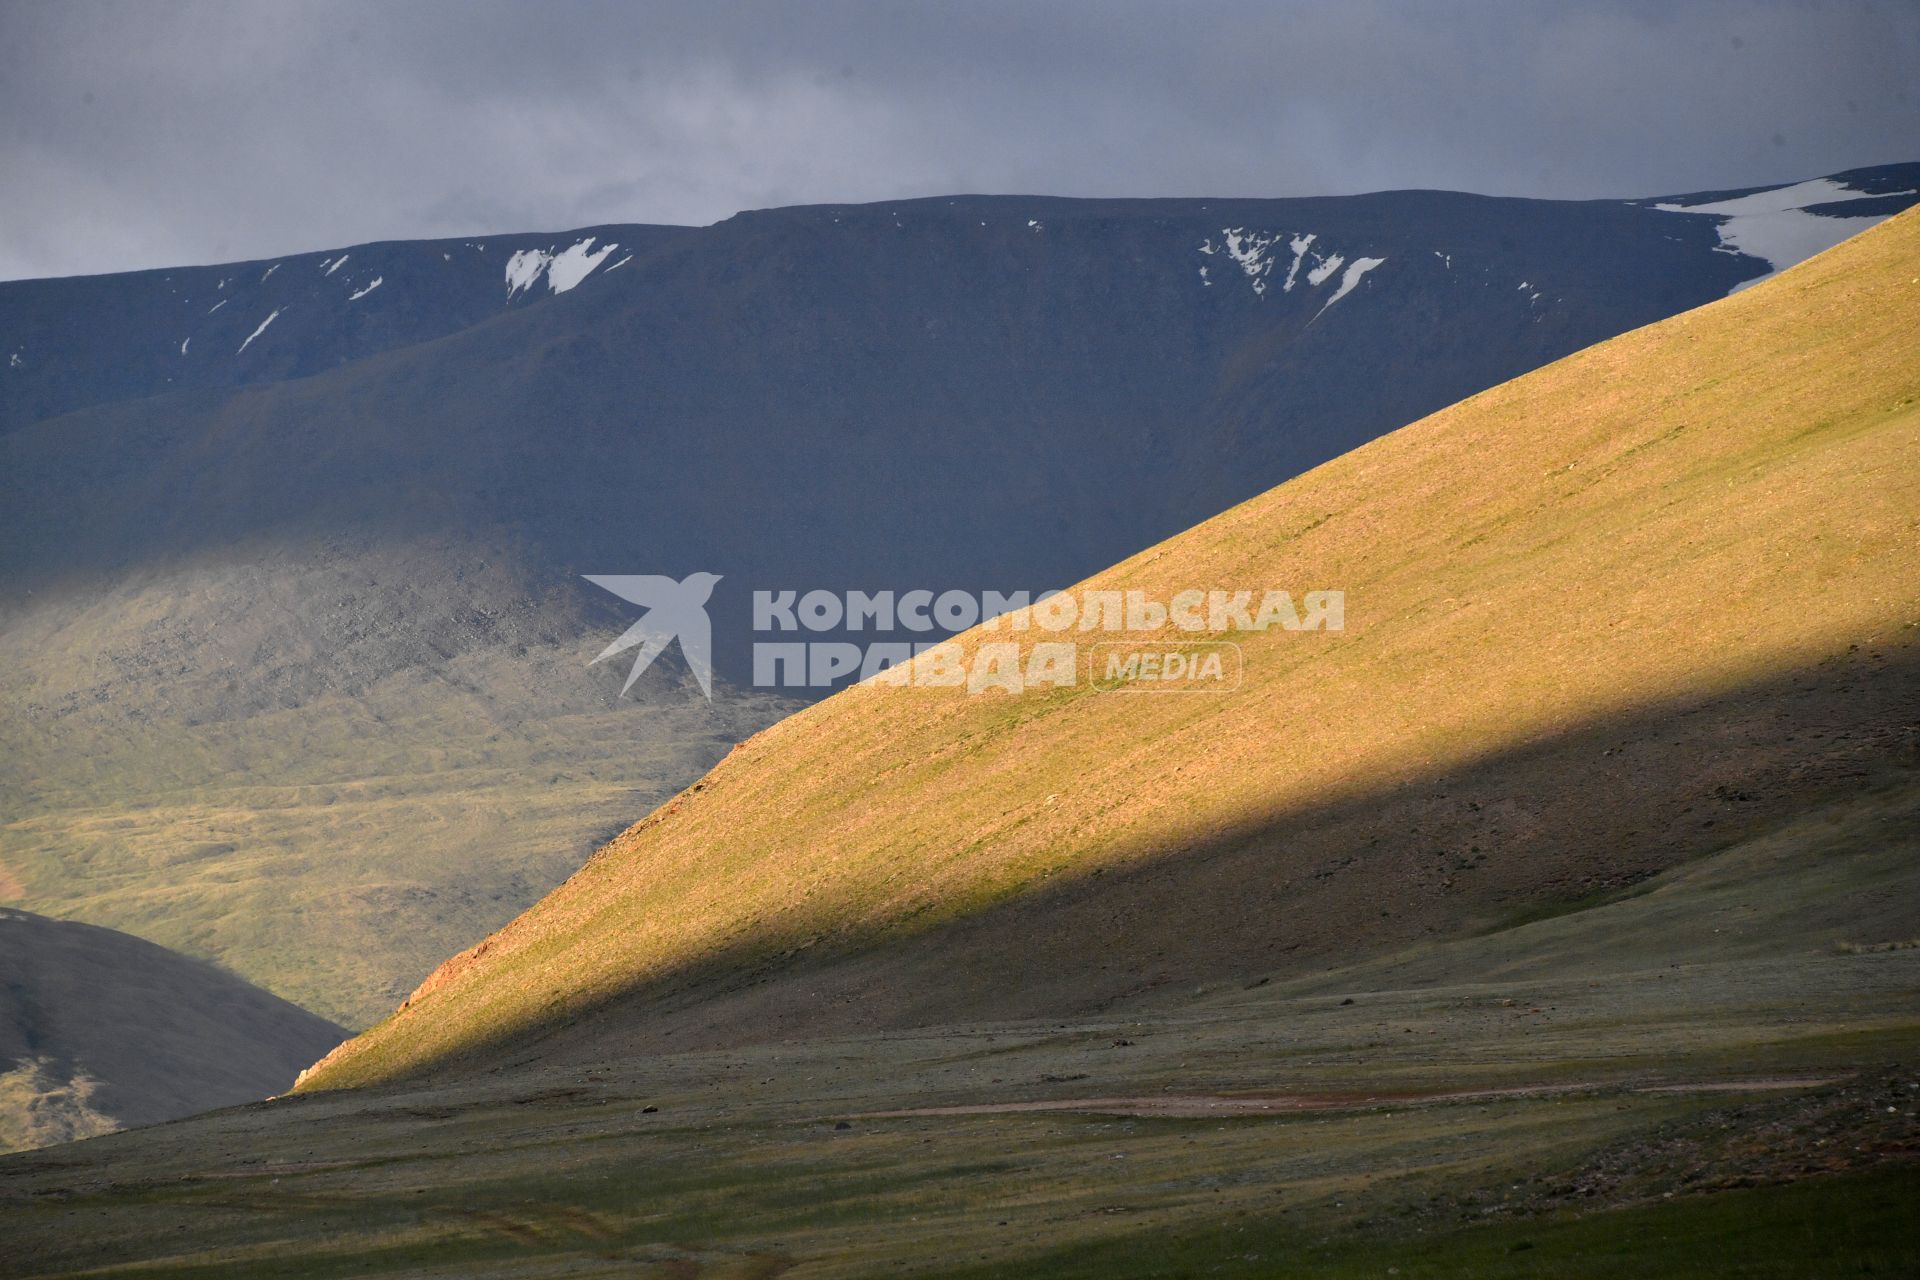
x=138 y=135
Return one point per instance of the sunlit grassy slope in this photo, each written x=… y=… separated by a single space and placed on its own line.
x=1600 y=619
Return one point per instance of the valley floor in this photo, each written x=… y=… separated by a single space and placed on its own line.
x=1711 y=1074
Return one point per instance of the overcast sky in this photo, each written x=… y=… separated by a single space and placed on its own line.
x=152 y=133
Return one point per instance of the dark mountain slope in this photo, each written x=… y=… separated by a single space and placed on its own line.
x=963 y=392
x=99 y=1030
x=85 y=340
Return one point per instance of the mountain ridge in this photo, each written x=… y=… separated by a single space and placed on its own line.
x=42 y=330
x=73 y=342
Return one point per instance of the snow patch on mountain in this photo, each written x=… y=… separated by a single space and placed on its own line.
x=1776 y=227
x=336 y=263
x=355 y=297
x=1299 y=245
x=1253 y=252
x=1356 y=269
x=1318 y=276
x=525 y=268
x=576 y=264
x=1249 y=250
x=257 y=332
x=563 y=269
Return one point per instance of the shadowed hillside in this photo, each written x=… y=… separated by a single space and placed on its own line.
x=99 y=1030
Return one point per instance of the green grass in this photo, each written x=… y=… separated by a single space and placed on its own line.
x=557 y=1164
x=1864 y=1225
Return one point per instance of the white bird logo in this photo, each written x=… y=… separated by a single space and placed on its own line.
x=675 y=610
